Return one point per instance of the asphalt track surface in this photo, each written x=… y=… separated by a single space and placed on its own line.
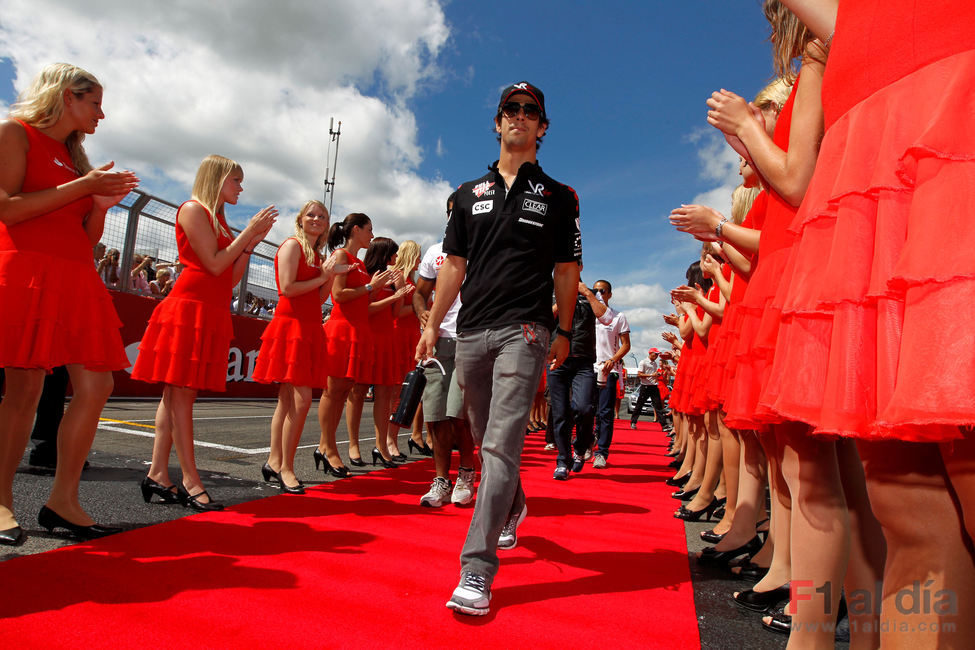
x=232 y=439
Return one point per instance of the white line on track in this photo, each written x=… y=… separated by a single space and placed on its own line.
x=211 y=445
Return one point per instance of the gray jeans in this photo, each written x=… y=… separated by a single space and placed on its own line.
x=499 y=370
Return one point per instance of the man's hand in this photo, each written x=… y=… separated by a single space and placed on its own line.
x=557 y=353
x=427 y=345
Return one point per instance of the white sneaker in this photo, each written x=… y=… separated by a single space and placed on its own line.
x=463 y=487
x=509 y=534
x=598 y=461
x=550 y=446
x=472 y=596
x=438 y=495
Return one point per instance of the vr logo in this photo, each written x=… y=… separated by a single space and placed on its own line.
x=538 y=189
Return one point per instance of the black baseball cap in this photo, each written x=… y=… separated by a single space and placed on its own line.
x=528 y=89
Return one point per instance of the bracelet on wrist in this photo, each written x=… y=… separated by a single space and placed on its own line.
x=368 y=288
x=559 y=331
x=717 y=229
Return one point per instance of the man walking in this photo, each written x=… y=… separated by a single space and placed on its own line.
x=509 y=232
x=648 y=372
x=612 y=344
x=442 y=398
x=572 y=385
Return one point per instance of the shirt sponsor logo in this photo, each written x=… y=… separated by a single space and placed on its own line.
x=537 y=189
x=482 y=206
x=66 y=166
x=482 y=188
x=535 y=206
x=530 y=222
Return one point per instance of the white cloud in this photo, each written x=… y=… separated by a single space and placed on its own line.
x=258 y=82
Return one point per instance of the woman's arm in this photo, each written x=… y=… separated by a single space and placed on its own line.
x=16 y=206
x=819 y=16
x=341 y=293
x=289 y=260
x=701 y=221
x=787 y=172
x=740 y=262
x=196 y=224
x=392 y=300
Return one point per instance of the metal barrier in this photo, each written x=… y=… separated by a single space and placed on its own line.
x=142 y=224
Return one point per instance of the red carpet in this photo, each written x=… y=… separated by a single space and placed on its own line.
x=357 y=563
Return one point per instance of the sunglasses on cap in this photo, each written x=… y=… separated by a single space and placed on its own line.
x=511 y=109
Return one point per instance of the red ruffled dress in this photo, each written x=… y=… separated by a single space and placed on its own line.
x=57 y=310
x=702 y=400
x=725 y=357
x=876 y=341
x=348 y=341
x=714 y=365
x=386 y=365
x=407 y=336
x=680 y=375
x=293 y=343
x=188 y=337
x=688 y=396
x=759 y=320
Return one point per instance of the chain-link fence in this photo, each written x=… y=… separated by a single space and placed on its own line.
x=143 y=226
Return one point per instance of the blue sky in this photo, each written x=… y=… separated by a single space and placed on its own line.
x=416 y=83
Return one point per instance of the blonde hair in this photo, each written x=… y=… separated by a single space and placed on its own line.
x=163 y=272
x=310 y=249
x=790 y=37
x=741 y=202
x=42 y=104
x=209 y=181
x=407 y=256
x=774 y=95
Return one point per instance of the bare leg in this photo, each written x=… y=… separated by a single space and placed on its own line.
x=380 y=417
x=162 y=444
x=712 y=466
x=330 y=409
x=698 y=440
x=23 y=391
x=180 y=401
x=417 y=433
x=751 y=490
x=443 y=444
x=780 y=531
x=820 y=534
x=77 y=431
x=392 y=430
x=285 y=400
x=353 y=417
x=868 y=550
x=926 y=552
x=294 y=424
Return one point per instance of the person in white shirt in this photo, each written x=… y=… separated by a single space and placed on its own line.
x=612 y=344
x=648 y=372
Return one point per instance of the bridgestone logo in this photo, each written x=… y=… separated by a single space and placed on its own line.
x=535 y=206
x=528 y=221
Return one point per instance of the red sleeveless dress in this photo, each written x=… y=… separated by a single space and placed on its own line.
x=385 y=366
x=702 y=400
x=716 y=341
x=293 y=343
x=876 y=341
x=759 y=321
x=680 y=376
x=407 y=336
x=57 y=310
x=725 y=358
x=348 y=341
x=188 y=337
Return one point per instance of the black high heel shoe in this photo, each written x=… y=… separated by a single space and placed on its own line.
x=269 y=474
x=12 y=536
x=722 y=558
x=193 y=501
x=675 y=481
x=49 y=519
x=150 y=487
x=675 y=464
x=685 y=495
x=711 y=537
x=377 y=458
x=695 y=515
x=398 y=458
x=358 y=462
x=424 y=449
x=341 y=471
x=759 y=601
x=750 y=571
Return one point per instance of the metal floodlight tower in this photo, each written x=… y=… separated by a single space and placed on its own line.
x=333 y=160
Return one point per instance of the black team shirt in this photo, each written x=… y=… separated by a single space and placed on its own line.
x=512 y=243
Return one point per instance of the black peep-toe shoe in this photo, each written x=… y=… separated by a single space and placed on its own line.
x=722 y=558
x=695 y=515
x=759 y=601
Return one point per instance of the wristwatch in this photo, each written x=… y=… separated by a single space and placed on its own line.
x=566 y=334
x=368 y=288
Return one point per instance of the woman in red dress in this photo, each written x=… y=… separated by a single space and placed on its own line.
x=885 y=327
x=407 y=336
x=187 y=340
x=383 y=370
x=293 y=344
x=52 y=212
x=348 y=340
